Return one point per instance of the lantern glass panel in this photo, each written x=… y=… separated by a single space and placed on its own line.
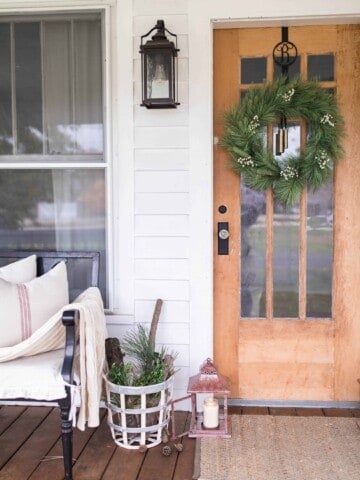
x=158 y=67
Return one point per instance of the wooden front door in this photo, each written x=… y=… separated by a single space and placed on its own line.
x=287 y=295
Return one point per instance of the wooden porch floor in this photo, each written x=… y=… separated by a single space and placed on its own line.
x=30 y=447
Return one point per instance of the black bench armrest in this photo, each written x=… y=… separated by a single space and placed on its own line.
x=69 y=320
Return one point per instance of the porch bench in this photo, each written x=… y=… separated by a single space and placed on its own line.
x=85 y=272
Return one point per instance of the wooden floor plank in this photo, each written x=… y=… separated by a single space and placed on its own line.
x=184 y=468
x=282 y=411
x=52 y=465
x=124 y=465
x=309 y=412
x=255 y=411
x=156 y=466
x=28 y=457
x=8 y=415
x=337 y=412
x=235 y=410
x=34 y=433
x=94 y=459
x=13 y=438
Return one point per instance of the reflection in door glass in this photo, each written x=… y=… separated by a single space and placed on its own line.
x=253 y=251
x=286 y=242
x=286 y=261
x=321 y=67
x=294 y=69
x=253 y=70
x=319 y=252
x=293 y=148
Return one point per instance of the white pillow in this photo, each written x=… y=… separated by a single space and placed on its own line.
x=25 y=307
x=21 y=271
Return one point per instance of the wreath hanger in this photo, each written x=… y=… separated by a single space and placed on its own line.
x=284 y=54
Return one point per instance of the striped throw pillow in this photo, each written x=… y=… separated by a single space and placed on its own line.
x=24 y=307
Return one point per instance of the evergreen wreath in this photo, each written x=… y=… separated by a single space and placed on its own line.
x=245 y=135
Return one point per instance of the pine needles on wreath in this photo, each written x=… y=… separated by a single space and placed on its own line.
x=245 y=137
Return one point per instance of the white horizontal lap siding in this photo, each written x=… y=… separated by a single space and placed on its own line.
x=162 y=204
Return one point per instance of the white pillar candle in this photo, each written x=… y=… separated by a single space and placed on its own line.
x=211 y=413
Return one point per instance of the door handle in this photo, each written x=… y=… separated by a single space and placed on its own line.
x=224 y=234
x=223 y=238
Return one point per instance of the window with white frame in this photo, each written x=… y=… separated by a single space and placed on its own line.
x=52 y=164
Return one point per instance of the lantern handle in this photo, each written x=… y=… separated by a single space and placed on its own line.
x=161 y=29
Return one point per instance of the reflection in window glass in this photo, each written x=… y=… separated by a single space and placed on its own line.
x=286 y=261
x=53 y=210
x=321 y=67
x=319 y=252
x=253 y=251
x=28 y=88
x=73 y=119
x=253 y=70
x=56 y=72
x=88 y=133
x=6 y=139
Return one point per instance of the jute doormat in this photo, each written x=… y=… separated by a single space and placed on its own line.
x=282 y=448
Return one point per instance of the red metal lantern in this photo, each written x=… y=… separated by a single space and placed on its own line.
x=213 y=421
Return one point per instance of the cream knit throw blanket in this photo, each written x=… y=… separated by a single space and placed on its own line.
x=92 y=334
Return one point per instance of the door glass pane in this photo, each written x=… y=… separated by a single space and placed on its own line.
x=57 y=86
x=319 y=252
x=28 y=88
x=253 y=252
x=321 y=67
x=286 y=261
x=6 y=138
x=293 y=70
x=286 y=240
x=253 y=70
x=53 y=210
x=88 y=124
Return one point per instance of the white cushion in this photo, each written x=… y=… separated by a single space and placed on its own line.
x=25 y=307
x=37 y=377
x=21 y=271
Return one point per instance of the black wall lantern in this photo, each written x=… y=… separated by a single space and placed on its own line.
x=159 y=69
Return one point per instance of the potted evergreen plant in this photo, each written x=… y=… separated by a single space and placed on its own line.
x=139 y=391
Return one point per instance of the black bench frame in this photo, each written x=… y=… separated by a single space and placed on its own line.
x=45 y=261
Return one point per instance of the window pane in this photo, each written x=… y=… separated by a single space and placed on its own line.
x=293 y=70
x=57 y=86
x=88 y=123
x=321 y=67
x=286 y=261
x=253 y=252
x=6 y=138
x=253 y=70
x=319 y=252
x=28 y=88
x=54 y=210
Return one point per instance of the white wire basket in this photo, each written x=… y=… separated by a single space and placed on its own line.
x=138 y=415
